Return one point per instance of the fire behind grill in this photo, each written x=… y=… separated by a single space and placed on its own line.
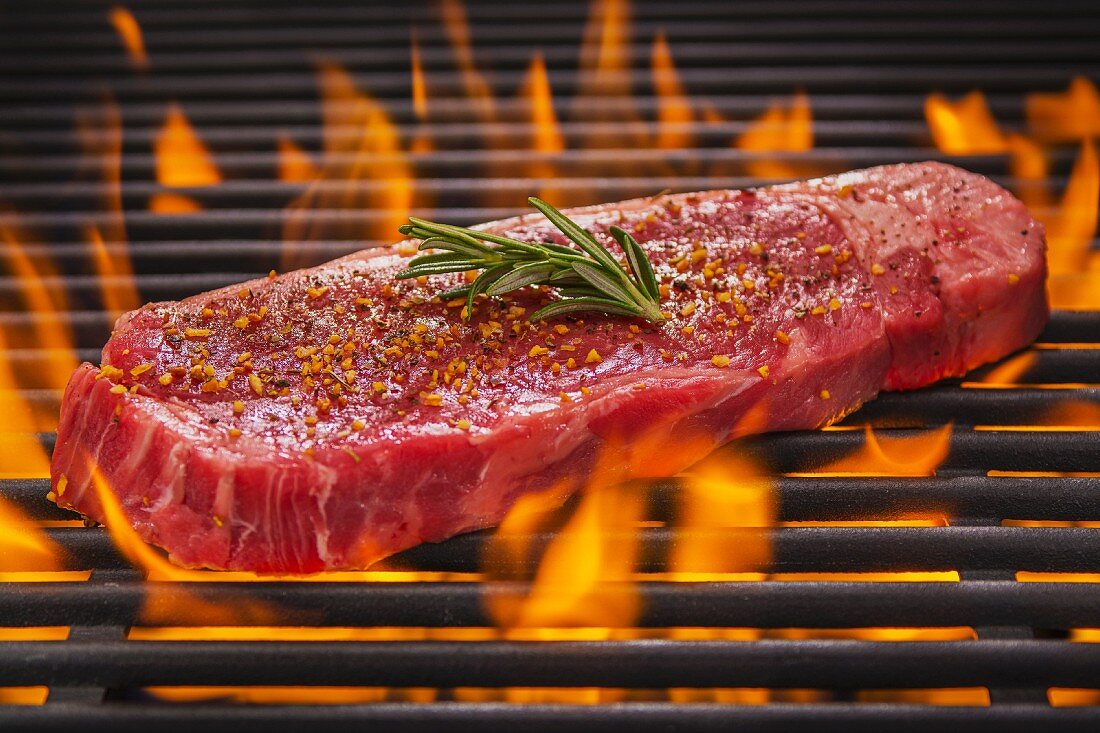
x=989 y=614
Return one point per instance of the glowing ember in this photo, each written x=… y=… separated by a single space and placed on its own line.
x=130 y=32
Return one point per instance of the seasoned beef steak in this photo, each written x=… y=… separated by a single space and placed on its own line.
x=329 y=417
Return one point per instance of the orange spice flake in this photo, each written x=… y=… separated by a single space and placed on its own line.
x=196 y=333
x=782 y=337
x=764 y=371
x=720 y=360
x=593 y=357
x=140 y=369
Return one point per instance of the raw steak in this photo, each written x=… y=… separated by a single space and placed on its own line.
x=329 y=417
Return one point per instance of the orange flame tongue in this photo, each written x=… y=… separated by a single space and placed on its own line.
x=779 y=130
x=295 y=165
x=1071 y=115
x=674 y=114
x=130 y=32
x=919 y=455
x=181 y=161
x=965 y=127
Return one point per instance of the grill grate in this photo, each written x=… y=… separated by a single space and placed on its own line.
x=1014 y=596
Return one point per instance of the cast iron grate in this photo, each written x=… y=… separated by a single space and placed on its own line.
x=1023 y=503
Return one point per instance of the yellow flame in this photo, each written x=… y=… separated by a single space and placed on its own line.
x=965 y=127
x=544 y=123
x=419 y=86
x=295 y=165
x=1069 y=235
x=476 y=87
x=100 y=134
x=181 y=158
x=116 y=277
x=1070 y=115
x=674 y=113
x=581 y=580
x=918 y=455
x=779 y=130
x=128 y=29
x=46 y=299
x=24 y=548
x=368 y=173
x=723 y=492
x=1011 y=370
x=605 y=49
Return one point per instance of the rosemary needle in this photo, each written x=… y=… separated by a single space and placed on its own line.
x=587 y=279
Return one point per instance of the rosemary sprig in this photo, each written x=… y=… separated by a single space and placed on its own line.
x=588 y=279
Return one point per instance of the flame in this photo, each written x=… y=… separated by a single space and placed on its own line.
x=419 y=86
x=422 y=142
x=295 y=165
x=128 y=29
x=674 y=114
x=918 y=455
x=24 y=548
x=605 y=49
x=476 y=87
x=1028 y=165
x=1069 y=235
x=368 y=171
x=1070 y=115
x=100 y=135
x=547 y=138
x=182 y=159
x=116 y=278
x=42 y=296
x=581 y=580
x=965 y=127
x=723 y=492
x=1009 y=371
x=779 y=130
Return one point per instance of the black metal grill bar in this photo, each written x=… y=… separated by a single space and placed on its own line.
x=569 y=163
x=803 y=499
x=289 y=85
x=827 y=133
x=761 y=605
x=840 y=105
x=632 y=717
x=643 y=664
x=834 y=549
x=718 y=27
x=109 y=62
x=183 y=15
